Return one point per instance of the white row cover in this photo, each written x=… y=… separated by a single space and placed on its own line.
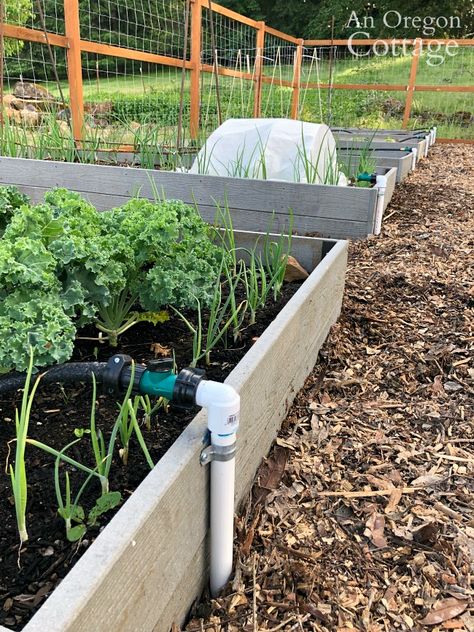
x=271 y=149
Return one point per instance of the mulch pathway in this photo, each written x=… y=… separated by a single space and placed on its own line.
x=362 y=517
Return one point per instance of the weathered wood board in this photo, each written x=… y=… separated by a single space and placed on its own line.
x=328 y=211
x=347 y=142
x=151 y=562
x=379 y=134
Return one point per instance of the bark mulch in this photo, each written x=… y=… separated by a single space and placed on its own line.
x=362 y=517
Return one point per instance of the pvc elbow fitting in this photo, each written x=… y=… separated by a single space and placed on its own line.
x=223 y=406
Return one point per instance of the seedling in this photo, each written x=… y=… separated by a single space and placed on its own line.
x=18 y=473
x=128 y=424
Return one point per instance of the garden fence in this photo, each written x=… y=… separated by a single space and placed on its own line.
x=198 y=63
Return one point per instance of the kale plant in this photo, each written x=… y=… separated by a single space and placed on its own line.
x=63 y=265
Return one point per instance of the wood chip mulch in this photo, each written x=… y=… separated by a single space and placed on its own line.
x=362 y=517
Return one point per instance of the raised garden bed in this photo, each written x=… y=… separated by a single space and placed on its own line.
x=150 y=562
x=402 y=161
x=348 y=142
x=329 y=211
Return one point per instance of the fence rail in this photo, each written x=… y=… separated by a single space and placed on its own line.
x=294 y=72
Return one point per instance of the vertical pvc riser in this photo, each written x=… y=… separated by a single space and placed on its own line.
x=223 y=411
x=222 y=519
x=427 y=145
x=381 y=186
x=414 y=153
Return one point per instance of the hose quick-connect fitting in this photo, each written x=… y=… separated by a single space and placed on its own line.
x=156 y=379
x=367 y=177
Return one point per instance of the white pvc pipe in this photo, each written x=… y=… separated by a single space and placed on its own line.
x=435 y=131
x=414 y=154
x=380 y=185
x=223 y=410
x=427 y=145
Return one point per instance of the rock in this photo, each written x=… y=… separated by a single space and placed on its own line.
x=26 y=90
x=13 y=116
x=295 y=271
x=19 y=104
x=23 y=117
x=29 y=118
x=63 y=115
x=8 y=99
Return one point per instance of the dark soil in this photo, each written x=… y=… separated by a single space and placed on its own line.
x=28 y=577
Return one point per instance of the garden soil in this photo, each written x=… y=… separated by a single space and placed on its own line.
x=362 y=516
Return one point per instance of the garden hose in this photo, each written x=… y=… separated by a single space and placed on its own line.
x=67 y=373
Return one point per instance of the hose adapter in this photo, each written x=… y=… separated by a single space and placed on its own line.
x=186 y=386
x=367 y=177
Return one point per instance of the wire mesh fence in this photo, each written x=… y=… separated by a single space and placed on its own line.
x=154 y=77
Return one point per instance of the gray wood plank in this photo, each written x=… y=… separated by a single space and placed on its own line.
x=145 y=569
x=391 y=175
x=332 y=202
x=345 y=142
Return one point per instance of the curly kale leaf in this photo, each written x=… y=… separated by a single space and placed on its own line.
x=10 y=200
x=25 y=262
x=90 y=265
x=175 y=257
x=34 y=318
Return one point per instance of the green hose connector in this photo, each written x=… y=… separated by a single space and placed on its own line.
x=367 y=177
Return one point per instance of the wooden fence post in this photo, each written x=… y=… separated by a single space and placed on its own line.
x=74 y=66
x=295 y=101
x=260 y=47
x=196 y=39
x=411 y=82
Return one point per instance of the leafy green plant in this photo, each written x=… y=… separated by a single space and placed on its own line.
x=10 y=200
x=320 y=170
x=102 y=452
x=18 y=473
x=222 y=314
x=255 y=283
x=63 y=265
x=150 y=409
x=71 y=511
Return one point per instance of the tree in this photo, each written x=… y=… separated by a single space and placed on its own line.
x=15 y=12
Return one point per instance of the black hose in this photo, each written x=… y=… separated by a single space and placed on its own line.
x=71 y=372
